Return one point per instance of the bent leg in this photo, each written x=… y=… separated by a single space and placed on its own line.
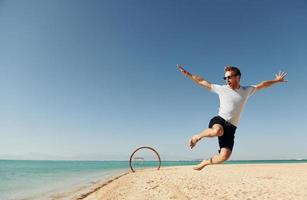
x=224 y=155
x=216 y=130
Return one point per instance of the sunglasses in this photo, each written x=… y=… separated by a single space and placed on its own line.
x=229 y=77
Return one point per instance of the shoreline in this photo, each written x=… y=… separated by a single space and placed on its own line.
x=99 y=185
x=82 y=190
x=182 y=182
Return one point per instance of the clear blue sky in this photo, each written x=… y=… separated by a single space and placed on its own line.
x=97 y=79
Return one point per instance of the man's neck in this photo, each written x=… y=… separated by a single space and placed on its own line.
x=235 y=87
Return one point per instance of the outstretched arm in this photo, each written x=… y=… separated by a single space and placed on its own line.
x=197 y=79
x=279 y=78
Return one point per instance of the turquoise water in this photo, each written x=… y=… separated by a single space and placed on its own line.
x=33 y=180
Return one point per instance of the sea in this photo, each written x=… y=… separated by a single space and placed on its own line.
x=47 y=180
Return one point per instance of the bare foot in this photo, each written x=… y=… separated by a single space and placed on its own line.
x=199 y=167
x=193 y=141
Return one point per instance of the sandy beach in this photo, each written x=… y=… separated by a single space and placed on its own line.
x=228 y=181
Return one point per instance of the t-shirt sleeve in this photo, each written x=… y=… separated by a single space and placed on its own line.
x=215 y=88
x=251 y=90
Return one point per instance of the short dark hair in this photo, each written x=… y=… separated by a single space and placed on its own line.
x=233 y=68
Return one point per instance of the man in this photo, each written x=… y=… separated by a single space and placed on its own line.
x=232 y=97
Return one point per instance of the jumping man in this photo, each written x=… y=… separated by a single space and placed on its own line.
x=232 y=97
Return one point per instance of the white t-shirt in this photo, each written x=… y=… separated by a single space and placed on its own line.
x=232 y=102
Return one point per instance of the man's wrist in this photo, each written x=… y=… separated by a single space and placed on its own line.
x=276 y=81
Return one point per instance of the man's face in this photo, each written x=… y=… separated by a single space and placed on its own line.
x=232 y=79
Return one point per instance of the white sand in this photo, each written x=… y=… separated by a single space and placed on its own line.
x=245 y=181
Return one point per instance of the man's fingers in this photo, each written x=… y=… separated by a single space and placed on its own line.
x=181 y=68
x=281 y=75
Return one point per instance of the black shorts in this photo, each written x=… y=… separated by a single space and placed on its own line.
x=227 y=139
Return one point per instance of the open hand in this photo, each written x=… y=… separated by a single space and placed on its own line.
x=182 y=70
x=280 y=77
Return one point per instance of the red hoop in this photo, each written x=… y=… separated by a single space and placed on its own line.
x=145 y=147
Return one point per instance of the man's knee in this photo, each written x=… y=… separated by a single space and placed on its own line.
x=218 y=129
